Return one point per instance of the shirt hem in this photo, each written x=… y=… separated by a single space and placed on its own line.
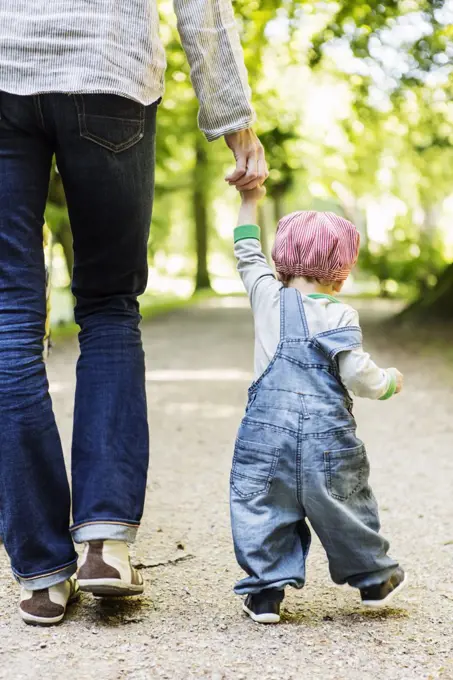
x=147 y=100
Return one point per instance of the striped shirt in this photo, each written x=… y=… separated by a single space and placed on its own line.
x=101 y=46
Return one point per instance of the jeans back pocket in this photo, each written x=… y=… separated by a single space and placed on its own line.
x=114 y=122
x=346 y=471
x=254 y=466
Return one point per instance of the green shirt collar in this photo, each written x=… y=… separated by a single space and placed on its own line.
x=321 y=296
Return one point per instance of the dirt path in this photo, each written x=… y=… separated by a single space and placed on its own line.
x=189 y=625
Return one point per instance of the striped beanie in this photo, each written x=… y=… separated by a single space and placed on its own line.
x=319 y=245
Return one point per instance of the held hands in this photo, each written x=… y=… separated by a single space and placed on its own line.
x=250 y=173
x=251 y=168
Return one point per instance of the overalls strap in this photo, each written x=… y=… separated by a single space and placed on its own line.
x=293 y=322
x=339 y=340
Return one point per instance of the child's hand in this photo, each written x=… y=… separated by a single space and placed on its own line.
x=399 y=380
x=253 y=195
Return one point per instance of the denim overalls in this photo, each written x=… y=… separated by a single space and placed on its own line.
x=297 y=457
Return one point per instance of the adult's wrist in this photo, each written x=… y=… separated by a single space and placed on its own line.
x=235 y=130
x=213 y=134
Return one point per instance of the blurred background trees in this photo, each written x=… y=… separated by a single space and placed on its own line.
x=355 y=109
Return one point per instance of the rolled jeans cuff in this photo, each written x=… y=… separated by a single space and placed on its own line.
x=104 y=530
x=42 y=581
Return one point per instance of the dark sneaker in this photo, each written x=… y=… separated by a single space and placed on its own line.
x=264 y=607
x=48 y=607
x=106 y=570
x=381 y=595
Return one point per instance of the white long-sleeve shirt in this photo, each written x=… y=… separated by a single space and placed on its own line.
x=100 y=46
x=359 y=374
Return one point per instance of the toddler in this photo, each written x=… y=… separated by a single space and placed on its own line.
x=297 y=456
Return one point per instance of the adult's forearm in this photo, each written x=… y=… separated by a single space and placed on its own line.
x=210 y=39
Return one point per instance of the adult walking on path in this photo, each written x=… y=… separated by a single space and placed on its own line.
x=108 y=58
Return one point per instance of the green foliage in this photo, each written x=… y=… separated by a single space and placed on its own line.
x=365 y=25
x=412 y=260
x=384 y=136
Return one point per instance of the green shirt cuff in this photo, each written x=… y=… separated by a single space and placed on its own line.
x=247 y=231
x=391 y=388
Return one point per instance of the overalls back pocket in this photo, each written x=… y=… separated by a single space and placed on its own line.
x=254 y=466
x=347 y=471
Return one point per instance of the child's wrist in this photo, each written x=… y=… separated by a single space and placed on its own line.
x=391 y=384
x=251 y=201
x=248 y=213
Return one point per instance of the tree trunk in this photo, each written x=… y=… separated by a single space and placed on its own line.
x=263 y=223
x=279 y=204
x=437 y=303
x=266 y=218
x=200 y=212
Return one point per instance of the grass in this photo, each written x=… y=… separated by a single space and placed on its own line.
x=151 y=306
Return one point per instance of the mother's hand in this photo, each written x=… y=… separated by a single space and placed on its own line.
x=251 y=167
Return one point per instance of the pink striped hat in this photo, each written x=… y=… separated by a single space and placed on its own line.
x=319 y=245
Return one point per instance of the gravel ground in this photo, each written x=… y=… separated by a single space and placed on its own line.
x=190 y=624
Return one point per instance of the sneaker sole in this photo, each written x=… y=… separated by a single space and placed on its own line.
x=110 y=587
x=31 y=620
x=261 y=618
x=378 y=604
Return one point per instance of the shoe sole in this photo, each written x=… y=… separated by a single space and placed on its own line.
x=31 y=620
x=378 y=604
x=110 y=587
x=261 y=618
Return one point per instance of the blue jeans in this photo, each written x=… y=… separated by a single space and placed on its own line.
x=104 y=148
